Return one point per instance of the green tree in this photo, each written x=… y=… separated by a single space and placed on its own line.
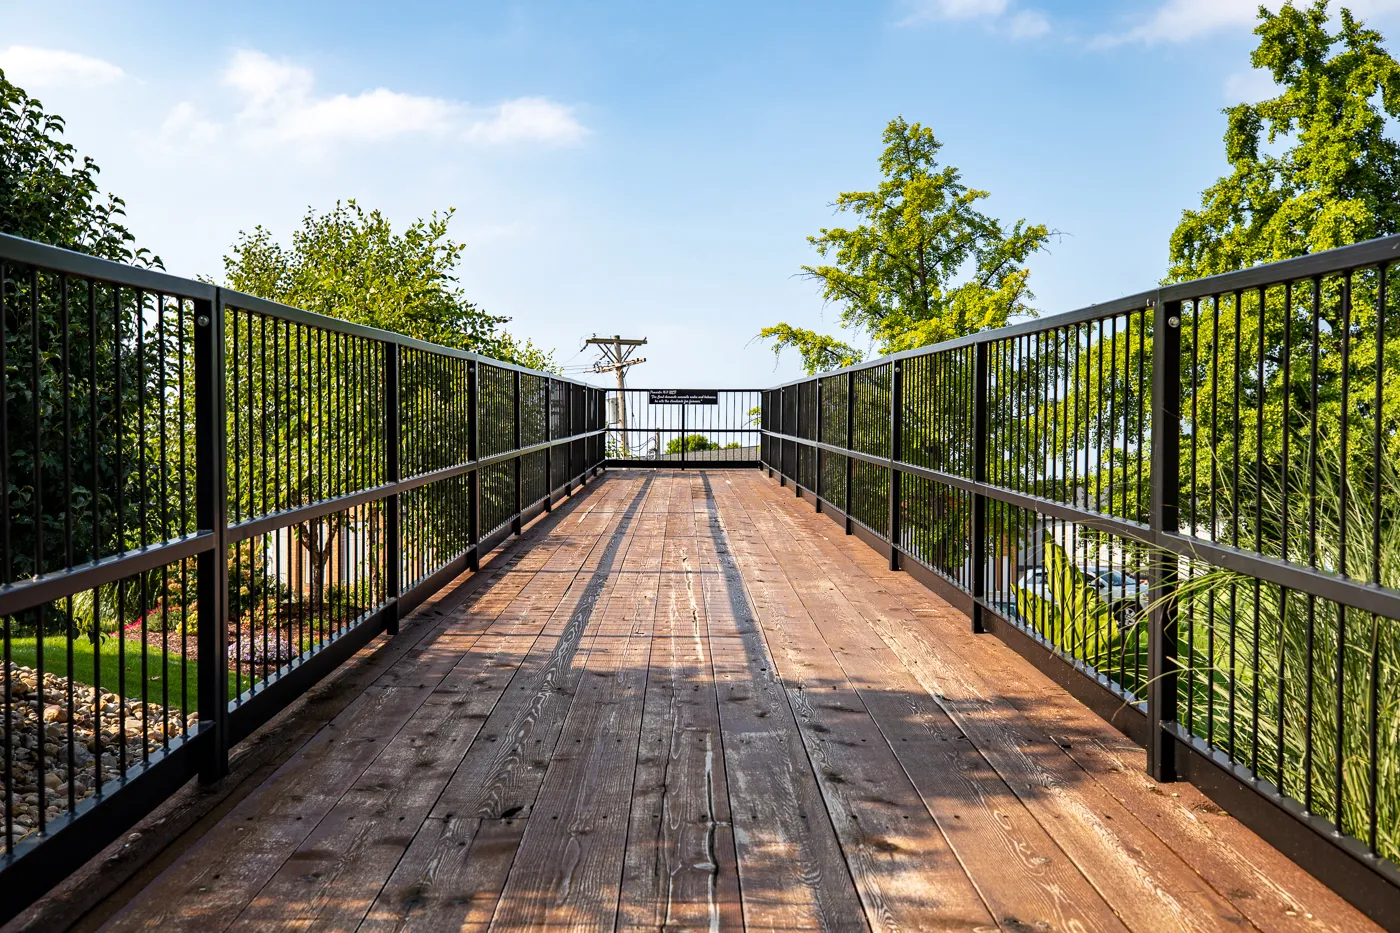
x=1335 y=183
x=349 y=263
x=47 y=193
x=1311 y=169
x=923 y=265
x=820 y=352
x=689 y=443
x=91 y=407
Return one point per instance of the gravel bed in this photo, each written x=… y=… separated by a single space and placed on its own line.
x=47 y=728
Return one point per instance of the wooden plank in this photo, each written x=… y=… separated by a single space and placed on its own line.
x=455 y=868
x=1021 y=874
x=130 y=866
x=906 y=873
x=333 y=877
x=342 y=863
x=503 y=774
x=567 y=872
x=792 y=874
x=1261 y=882
x=1143 y=879
x=207 y=888
x=680 y=868
x=218 y=878
x=1266 y=886
x=459 y=865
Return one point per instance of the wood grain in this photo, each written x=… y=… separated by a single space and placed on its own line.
x=680 y=870
x=905 y=871
x=221 y=875
x=1022 y=875
x=791 y=869
x=568 y=869
x=1258 y=880
x=691 y=703
x=1149 y=885
x=487 y=801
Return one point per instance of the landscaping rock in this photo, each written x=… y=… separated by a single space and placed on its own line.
x=96 y=752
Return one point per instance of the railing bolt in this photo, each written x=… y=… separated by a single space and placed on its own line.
x=202 y=320
x=1173 y=321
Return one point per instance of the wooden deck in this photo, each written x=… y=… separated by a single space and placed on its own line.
x=690 y=703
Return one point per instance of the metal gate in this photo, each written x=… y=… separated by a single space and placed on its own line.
x=682 y=428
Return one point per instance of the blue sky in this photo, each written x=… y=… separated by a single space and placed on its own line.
x=651 y=169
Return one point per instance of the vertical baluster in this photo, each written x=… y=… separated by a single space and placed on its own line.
x=211 y=507
x=393 y=535
x=1166 y=445
x=979 y=476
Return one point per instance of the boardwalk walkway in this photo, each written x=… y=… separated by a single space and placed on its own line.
x=690 y=703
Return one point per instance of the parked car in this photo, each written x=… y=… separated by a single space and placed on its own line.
x=1008 y=610
x=1126 y=596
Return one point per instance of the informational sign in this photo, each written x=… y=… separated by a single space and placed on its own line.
x=682 y=396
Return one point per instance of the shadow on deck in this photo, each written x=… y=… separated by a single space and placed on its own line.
x=685 y=701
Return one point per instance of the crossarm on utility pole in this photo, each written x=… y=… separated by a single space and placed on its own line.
x=617 y=357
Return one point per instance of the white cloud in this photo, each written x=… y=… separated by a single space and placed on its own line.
x=1003 y=17
x=184 y=125
x=1183 y=20
x=1179 y=20
x=278 y=103
x=371 y=116
x=35 y=67
x=1029 y=24
x=959 y=9
x=528 y=119
x=267 y=85
x=1250 y=87
x=923 y=11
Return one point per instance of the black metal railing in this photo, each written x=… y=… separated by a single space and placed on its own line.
x=1185 y=506
x=678 y=428
x=207 y=502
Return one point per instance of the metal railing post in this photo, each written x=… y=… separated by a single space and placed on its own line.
x=569 y=432
x=782 y=429
x=817 y=451
x=683 y=408
x=211 y=513
x=549 y=439
x=979 y=475
x=850 y=445
x=1165 y=480
x=595 y=422
x=797 y=444
x=896 y=452
x=515 y=437
x=766 y=423
x=392 y=529
x=474 y=477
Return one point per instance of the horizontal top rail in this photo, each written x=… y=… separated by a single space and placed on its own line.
x=246 y=302
x=1327 y=262
x=70 y=262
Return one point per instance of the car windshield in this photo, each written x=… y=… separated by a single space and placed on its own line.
x=1112 y=578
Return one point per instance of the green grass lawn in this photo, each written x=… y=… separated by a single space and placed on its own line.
x=22 y=651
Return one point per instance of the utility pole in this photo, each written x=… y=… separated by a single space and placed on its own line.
x=617 y=356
